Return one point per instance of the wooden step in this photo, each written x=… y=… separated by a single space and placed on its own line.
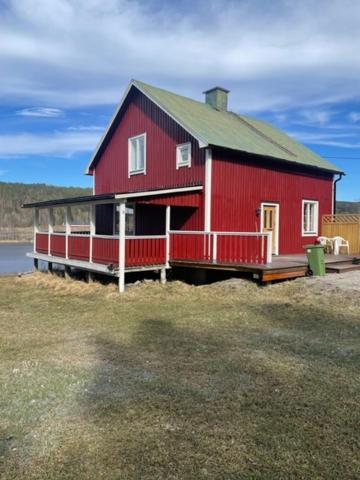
x=342 y=268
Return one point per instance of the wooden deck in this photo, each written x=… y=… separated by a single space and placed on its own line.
x=282 y=266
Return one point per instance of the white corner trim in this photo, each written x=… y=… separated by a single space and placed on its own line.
x=315 y=233
x=208 y=185
x=133 y=83
x=277 y=209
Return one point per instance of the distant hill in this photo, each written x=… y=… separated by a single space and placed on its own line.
x=13 y=195
x=347 y=207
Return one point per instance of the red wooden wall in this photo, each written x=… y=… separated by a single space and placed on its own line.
x=163 y=134
x=241 y=183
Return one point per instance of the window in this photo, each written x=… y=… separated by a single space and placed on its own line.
x=183 y=155
x=310 y=216
x=129 y=219
x=137 y=154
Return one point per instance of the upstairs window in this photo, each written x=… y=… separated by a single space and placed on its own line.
x=137 y=154
x=183 y=155
x=310 y=217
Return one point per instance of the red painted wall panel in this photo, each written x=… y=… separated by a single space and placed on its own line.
x=163 y=134
x=79 y=247
x=42 y=243
x=241 y=183
x=105 y=250
x=58 y=245
x=145 y=251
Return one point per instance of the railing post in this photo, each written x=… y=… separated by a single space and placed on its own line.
x=269 y=248
x=92 y=230
x=50 y=229
x=214 y=255
x=122 y=246
x=36 y=226
x=167 y=232
x=67 y=229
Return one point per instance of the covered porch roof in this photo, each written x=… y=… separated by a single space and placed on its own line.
x=164 y=194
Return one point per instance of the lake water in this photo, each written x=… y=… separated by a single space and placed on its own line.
x=13 y=258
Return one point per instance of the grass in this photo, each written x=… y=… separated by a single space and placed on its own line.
x=224 y=381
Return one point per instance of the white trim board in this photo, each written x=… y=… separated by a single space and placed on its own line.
x=151 y=193
x=277 y=206
x=133 y=83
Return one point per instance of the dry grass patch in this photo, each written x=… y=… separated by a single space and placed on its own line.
x=223 y=381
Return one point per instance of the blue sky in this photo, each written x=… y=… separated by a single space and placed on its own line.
x=65 y=63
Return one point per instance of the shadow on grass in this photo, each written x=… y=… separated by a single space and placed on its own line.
x=176 y=404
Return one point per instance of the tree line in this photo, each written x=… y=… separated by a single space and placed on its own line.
x=14 y=195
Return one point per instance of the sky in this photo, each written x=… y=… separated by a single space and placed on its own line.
x=64 y=65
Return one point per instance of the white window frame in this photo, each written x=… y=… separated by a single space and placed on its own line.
x=143 y=170
x=180 y=164
x=313 y=233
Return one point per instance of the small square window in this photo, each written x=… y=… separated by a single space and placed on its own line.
x=137 y=154
x=310 y=217
x=183 y=155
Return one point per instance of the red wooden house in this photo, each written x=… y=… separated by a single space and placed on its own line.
x=181 y=182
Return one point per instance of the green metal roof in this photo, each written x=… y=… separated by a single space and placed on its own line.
x=230 y=130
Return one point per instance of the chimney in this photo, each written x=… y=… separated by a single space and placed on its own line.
x=217 y=98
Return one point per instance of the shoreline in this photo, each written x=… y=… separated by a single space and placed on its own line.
x=16 y=241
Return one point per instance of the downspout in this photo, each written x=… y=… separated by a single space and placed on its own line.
x=335 y=182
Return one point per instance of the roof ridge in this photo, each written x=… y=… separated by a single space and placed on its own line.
x=263 y=135
x=172 y=93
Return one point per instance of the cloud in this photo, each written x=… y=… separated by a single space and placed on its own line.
x=64 y=144
x=87 y=128
x=331 y=140
x=81 y=52
x=354 y=116
x=316 y=117
x=40 y=112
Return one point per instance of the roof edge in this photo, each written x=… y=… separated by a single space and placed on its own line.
x=279 y=159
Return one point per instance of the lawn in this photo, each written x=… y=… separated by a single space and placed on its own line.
x=224 y=381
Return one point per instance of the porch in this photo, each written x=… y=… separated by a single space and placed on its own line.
x=138 y=231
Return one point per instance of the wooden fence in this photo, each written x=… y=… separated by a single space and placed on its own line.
x=343 y=225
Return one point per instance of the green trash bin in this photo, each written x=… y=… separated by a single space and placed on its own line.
x=316 y=258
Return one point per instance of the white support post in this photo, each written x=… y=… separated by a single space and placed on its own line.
x=67 y=229
x=92 y=229
x=163 y=276
x=50 y=229
x=208 y=185
x=167 y=232
x=122 y=219
x=269 y=248
x=36 y=226
x=214 y=255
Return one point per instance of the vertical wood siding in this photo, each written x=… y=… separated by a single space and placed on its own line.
x=240 y=184
x=145 y=251
x=79 y=247
x=57 y=245
x=42 y=245
x=163 y=134
x=106 y=250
